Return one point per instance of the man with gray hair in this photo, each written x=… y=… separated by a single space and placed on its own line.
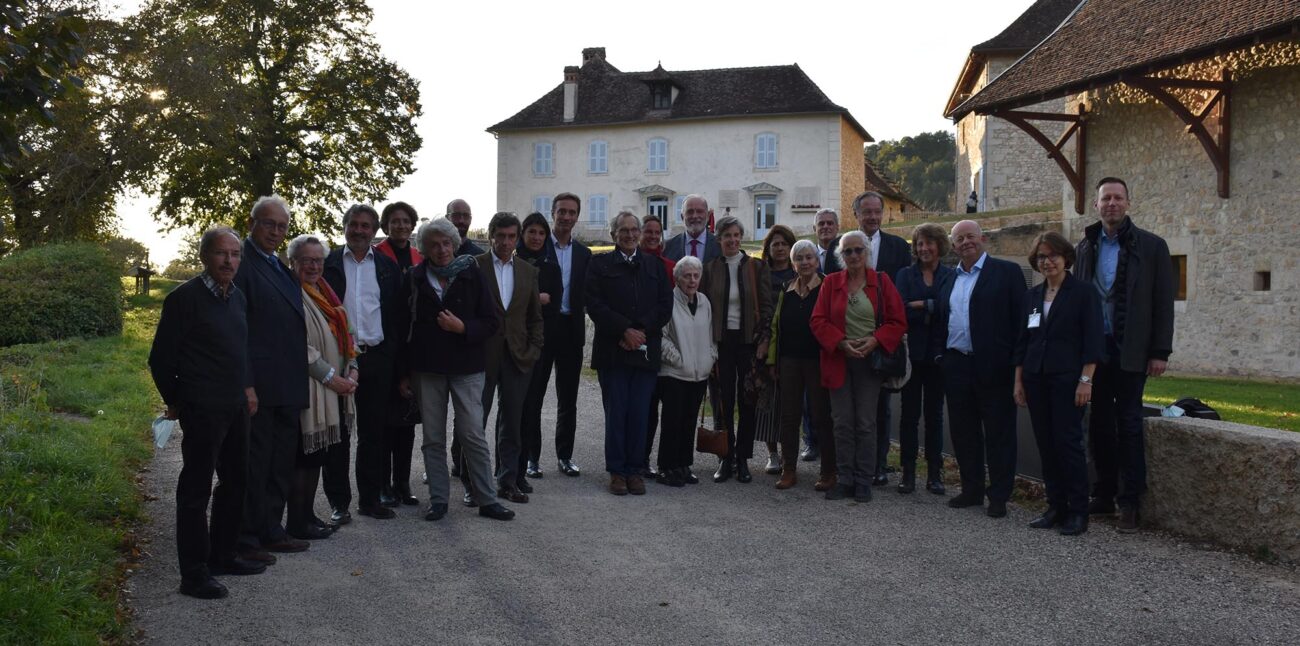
x=696 y=240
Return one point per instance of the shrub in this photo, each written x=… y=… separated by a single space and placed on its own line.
x=59 y=291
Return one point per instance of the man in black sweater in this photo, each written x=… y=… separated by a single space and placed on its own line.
x=199 y=362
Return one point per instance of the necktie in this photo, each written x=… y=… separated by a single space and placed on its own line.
x=695 y=248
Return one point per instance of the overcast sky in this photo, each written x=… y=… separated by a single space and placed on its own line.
x=892 y=64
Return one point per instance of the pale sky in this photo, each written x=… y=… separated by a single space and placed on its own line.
x=892 y=64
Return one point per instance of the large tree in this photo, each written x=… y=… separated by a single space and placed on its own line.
x=923 y=166
x=39 y=46
x=260 y=96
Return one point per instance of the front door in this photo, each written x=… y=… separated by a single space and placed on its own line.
x=658 y=206
x=764 y=215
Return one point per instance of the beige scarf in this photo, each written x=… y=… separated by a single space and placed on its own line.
x=326 y=409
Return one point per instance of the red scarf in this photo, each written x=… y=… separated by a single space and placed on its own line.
x=335 y=314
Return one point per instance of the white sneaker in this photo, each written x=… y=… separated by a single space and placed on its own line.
x=773 y=464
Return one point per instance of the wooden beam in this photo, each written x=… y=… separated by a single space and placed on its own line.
x=1074 y=174
x=1217 y=144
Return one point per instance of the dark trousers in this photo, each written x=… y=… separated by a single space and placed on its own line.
x=923 y=393
x=530 y=422
x=272 y=454
x=809 y=435
x=511 y=383
x=399 y=444
x=983 y=424
x=215 y=440
x=336 y=477
x=735 y=360
x=1058 y=429
x=563 y=349
x=625 y=392
x=681 y=415
x=884 y=422
x=801 y=381
x=653 y=421
x=1115 y=432
x=375 y=374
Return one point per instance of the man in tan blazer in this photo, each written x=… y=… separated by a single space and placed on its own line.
x=514 y=349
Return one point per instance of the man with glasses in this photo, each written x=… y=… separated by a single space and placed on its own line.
x=459 y=213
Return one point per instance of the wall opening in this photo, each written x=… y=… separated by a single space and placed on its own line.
x=1180 y=277
x=1263 y=281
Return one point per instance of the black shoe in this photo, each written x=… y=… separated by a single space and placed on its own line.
x=377 y=512
x=522 y=485
x=674 y=478
x=496 y=511
x=534 y=470
x=1049 y=519
x=1074 y=525
x=965 y=499
x=742 y=472
x=997 y=509
x=340 y=517
x=839 y=492
x=723 y=473
x=568 y=468
x=810 y=454
x=689 y=477
x=310 y=532
x=469 y=500
x=387 y=498
x=236 y=567
x=881 y=480
x=1128 y=520
x=207 y=588
x=455 y=472
x=649 y=473
x=1101 y=506
x=907 y=484
x=513 y=495
x=404 y=496
x=935 y=486
x=862 y=495
x=324 y=524
x=436 y=511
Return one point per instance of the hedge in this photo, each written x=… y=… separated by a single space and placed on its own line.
x=59 y=291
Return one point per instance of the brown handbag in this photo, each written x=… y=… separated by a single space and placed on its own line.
x=708 y=440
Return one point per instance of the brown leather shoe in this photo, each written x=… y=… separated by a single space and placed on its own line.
x=788 y=479
x=513 y=495
x=287 y=545
x=1128 y=520
x=825 y=483
x=636 y=485
x=617 y=485
x=260 y=556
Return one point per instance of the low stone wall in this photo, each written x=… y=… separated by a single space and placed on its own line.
x=1233 y=484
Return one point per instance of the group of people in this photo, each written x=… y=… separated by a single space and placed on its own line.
x=801 y=341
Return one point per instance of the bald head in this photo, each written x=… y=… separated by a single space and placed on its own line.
x=459 y=214
x=968 y=240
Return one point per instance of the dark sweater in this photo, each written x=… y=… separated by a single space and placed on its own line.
x=200 y=350
x=795 y=338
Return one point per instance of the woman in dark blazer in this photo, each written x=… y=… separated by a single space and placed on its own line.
x=550 y=286
x=1060 y=345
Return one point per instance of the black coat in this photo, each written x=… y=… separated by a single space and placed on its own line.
x=911 y=287
x=389 y=276
x=577 y=280
x=1069 y=337
x=832 y=263
x=622 y=295
x=277 y=331
x=996 y=304
x=429 y=348
x=895 y=254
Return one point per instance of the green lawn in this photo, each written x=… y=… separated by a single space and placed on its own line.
x=1259 y=403
x=74 y=432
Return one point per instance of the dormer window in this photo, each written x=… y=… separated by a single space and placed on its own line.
x=661 y=96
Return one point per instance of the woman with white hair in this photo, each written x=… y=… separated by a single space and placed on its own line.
x=688 y=355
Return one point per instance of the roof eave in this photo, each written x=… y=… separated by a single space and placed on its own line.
x=498 y=130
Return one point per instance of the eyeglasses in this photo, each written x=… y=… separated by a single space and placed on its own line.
x=272 y=225
x=853 y=251
x=1051 y=257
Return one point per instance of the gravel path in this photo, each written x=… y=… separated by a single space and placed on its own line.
x=726 y=563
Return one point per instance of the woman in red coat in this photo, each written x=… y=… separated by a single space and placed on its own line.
x=858 y=312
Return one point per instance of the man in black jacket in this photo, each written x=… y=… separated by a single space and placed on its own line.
x=369 y=284
x=564 y=351
x=1132 y=271
x=827 y=224
x=199 y=362
x=696 y=240
x=459 y=213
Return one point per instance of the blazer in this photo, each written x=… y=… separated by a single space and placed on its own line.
x=895 y=254
x=1069 y=337
x=577 y=280
x=996 y=305
x=1145 y=325
x=832 y=263
x=755 y=297
x=622 y=295
x=521 y=325
x=277 y=330
x=389 y=277
x=829 y=323
x=688 y=348
x=911 y=287
x=428 y=347
x=676 y=247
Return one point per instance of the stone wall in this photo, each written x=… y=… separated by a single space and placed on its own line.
x=1226 y=325
x=852 y=172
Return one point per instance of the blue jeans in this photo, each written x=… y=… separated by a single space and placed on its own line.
x=625 y=392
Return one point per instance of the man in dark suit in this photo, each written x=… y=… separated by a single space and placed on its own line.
x=459 y=213
x=827 y=225
x=889 y=253
x=513 y=350
x=976 y=326
x=565 y=350
x=199 y=362
x=1132 y=271
x=369 y=284
x=277 y=352
x=696 y=240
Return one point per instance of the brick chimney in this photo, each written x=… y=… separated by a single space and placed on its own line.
x=570 y=93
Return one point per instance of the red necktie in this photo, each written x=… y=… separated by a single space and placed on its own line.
x=695 y=248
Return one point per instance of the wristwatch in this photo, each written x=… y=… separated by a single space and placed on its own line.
x=1085 y=379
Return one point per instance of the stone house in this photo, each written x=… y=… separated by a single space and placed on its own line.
x=1003 y=165
x=1199 y=116
x=762 y=143
x=897 y=203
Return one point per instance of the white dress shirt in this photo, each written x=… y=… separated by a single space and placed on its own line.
x=435 y=283
x=362 y=301
x=874 y=239
x=564 y=254
x=505 y=271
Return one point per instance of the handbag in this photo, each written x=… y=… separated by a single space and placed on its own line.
x=708 y=440
x=893 y=367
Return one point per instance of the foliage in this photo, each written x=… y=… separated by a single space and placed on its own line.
x=74 y=419
x=922 y=165
x=127 y=253
x=37 y=52
x=252 y=97
x=1258 y=403
x=59 y=291
x=187 y=264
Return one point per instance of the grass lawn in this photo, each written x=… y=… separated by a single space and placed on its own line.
x=1259 y=403
x=74 y=432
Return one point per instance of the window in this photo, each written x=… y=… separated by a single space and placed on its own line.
x=658 y=207
x=765 y=151
x=764 y=215
x=597 y=208
x=543 y=159
x=661 y=96
x=542 y=204
x=598 y=157
x=658 y=159
x=1180 y=277
x=677 y=208
x=1263 y=281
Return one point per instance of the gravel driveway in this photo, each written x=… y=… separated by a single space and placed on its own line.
x=725 y=564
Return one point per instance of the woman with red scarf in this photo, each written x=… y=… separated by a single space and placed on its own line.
x=331 y=380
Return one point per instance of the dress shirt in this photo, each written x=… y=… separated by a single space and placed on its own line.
x=959 y=306
x=213 y=286
x=362 y=302
x=435 y=283
x=505 y=271
x=1107 y=267
x=821 y=258
x=874 y=240
x=564 y=254
x=701 y=241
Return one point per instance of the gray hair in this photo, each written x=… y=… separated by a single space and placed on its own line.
x=855 y=235
x=687 y=262
x=439 y=226
x=693 y=196
x=857 y=201
x=613 y=224
x=210 y=236
x=360 y=208
x=270 y=200
x=824 y=211
x=802 y=245
x=303 y=240
x=726 y=222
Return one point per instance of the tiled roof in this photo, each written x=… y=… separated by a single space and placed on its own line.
x=608 y=96
x=880 y=183
x=1105 y=39
x=1035 y=24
